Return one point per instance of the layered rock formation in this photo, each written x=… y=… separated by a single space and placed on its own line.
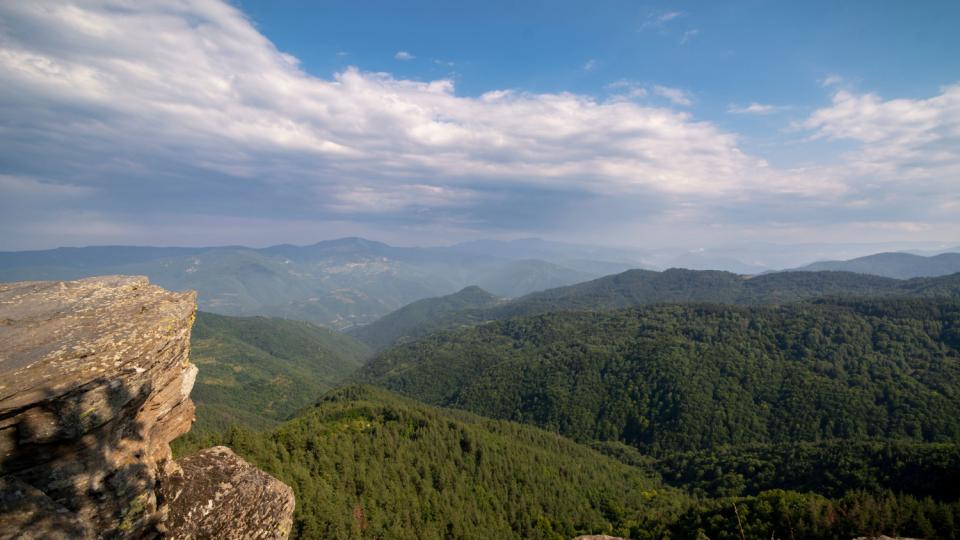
x=94 y=384
x=217 y=483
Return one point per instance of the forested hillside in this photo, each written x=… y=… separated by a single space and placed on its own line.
x=640 y=287
x=637 y=287
x=257 y=371
x=368 y=464
x=518 y=278
x=829 y=418
x=421 y=317
x=365 y=463
x=830 y=468
x=685 y=377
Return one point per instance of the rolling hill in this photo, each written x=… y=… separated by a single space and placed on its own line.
x=336 y=283
x=258 y=371
x=366 y=463
x=687 y=377
x=894 y=265
x=518 y=278
x=641 y=287
x=421 y=317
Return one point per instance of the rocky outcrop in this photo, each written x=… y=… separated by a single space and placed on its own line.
x=94 y=384
x=217 y=483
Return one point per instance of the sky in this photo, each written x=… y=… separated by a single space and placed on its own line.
x=646 y=124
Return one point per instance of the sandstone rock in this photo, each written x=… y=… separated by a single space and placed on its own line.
x=94 y=384
x=219 y=495
x=29 y=514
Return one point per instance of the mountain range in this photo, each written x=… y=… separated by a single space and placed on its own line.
x=643 y=404
x=640 y=287
x=424 y=317
x=894 y=265
x=350 y=282
x=674 y=377
x=338 y=283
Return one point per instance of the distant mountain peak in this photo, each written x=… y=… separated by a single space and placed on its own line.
x=894 y=264
x=351 y=241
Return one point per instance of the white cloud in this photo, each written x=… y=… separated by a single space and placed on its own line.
x=689 y=35
x=656 y=20
x=212 y=92
x=404 y=55
x=375 y=199
x=97 y=105
x=625 y=89
x=669 y=16
x=913 y=141
x=676 y=96
x=590 y=65
x=831 y=80
x=755 y=108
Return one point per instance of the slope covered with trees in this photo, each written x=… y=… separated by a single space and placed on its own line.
x=421 y=317
x=830 y=468
x=518 y=278
x=642 y=287
x=365 y=463
x=258 y=371
x=638 y=287
x=686 y=377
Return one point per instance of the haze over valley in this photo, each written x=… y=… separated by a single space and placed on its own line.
x=352 y=281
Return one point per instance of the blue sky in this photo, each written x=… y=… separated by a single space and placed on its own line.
x=637 y=123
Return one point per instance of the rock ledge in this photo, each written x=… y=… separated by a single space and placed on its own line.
x=95 y=381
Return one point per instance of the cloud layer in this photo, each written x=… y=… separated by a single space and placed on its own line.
x=184 y=109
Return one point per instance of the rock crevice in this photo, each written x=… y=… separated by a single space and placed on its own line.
x=95 y=380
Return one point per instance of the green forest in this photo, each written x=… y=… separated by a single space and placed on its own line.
x=366 y=463
x=422 y=317
x=686 y=377
x=829 y=417
x=642 y=287
x=258 y=371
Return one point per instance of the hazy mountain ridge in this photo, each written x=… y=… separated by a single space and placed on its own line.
x=337 y=283
x=353 y=281
x=518 y=278
x=421 y=317
x=639 y=287
x=895 y=265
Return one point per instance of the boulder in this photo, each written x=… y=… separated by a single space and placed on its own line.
x=95 y=380
x=219 y=495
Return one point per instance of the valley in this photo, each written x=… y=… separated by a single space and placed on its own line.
x=641 y=405
x=349 y=283
x=565 y=270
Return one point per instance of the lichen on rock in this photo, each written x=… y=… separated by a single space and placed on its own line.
x=215 y=483
x=95 y=380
